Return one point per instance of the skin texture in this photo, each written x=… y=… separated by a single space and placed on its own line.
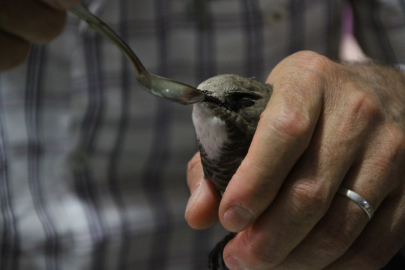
x=326 y=125
x=24 y=22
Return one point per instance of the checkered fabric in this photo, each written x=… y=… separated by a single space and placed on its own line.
x=93 y=168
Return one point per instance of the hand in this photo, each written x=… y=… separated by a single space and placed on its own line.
x=23 y=22
x=326 y=125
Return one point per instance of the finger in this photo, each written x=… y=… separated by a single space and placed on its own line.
x=310 y=187
x=202 y=207
x=13 y=51
x=61 y=4
x=282 y=135
x=302 y=202
x=380 y=240
x=31 y=20
x=331 y=237
x=345 y=220
x=337 y=230
x=383 y=236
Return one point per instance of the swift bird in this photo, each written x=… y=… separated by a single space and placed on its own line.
x=225 y=123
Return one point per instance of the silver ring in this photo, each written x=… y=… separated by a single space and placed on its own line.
x=360 y=201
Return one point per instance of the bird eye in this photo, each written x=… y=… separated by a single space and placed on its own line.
x=245 y=102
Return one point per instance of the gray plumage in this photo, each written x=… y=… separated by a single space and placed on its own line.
x=225 y=124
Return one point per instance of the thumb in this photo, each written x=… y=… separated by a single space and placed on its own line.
x=202 y=207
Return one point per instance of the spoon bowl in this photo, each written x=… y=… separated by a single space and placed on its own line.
x=159 y=86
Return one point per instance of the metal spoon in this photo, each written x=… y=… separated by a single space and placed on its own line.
x=156 y=85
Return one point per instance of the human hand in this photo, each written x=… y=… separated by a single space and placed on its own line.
x=23 y=22
x=326 y=125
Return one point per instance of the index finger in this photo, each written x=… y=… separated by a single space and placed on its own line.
x=31 y=20
x=283 y=133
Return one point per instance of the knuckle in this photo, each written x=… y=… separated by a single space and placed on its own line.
x=290 y=123
x=360 y=117
x=364 y=107
x=309 y=200
x=258 y=250
x=394 y=144
x=313 y=61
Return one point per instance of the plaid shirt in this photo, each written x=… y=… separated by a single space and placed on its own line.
x=93 y=168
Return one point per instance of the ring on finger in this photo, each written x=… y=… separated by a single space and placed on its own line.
x=360 y=201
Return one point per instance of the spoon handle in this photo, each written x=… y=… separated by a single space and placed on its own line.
x=84 y=14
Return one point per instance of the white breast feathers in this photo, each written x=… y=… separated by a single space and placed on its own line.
x=211 y=131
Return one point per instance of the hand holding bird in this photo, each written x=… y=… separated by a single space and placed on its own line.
x=326 y=126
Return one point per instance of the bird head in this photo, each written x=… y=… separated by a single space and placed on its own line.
x=235 y=100
x=229 y=114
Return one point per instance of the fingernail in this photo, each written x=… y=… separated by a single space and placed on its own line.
x=193 y=198
x=233 y=263
x=237 y=218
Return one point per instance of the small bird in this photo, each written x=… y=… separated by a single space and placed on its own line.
x=225 y=123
